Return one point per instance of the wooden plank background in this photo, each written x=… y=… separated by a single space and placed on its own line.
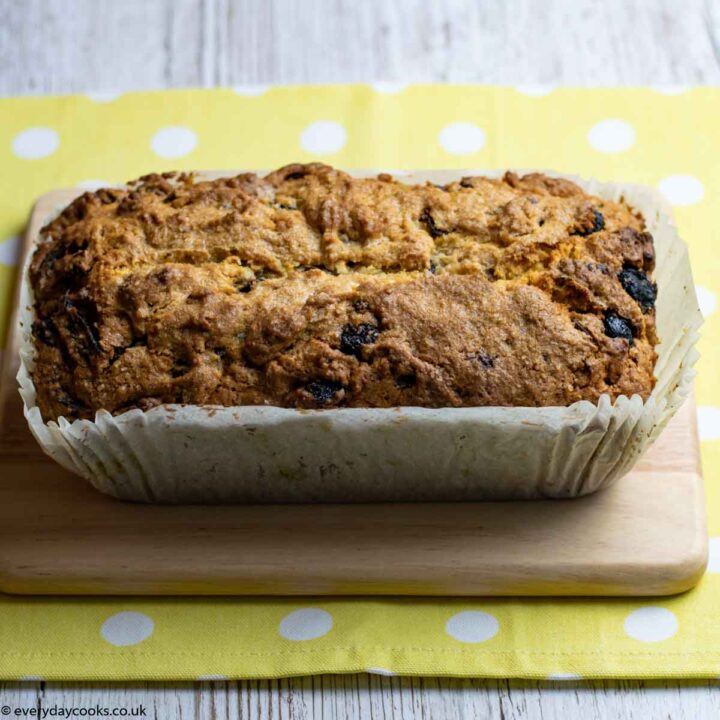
x=60 y=46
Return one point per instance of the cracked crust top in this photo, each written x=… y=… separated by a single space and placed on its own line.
x=309 y=288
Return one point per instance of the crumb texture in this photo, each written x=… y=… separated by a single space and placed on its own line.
x=311 y=289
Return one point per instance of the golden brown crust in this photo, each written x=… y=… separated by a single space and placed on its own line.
x=309 y=288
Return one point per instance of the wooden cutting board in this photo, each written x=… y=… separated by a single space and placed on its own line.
x=646 y=535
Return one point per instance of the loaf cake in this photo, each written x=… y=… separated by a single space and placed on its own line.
x=309 y=288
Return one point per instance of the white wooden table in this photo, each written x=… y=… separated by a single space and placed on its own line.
x=60 y=46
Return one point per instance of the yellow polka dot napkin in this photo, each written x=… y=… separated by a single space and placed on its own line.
x=663 y=137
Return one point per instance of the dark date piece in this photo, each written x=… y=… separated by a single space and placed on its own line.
x=353 y=337
x=639 y=287
x=616 y=326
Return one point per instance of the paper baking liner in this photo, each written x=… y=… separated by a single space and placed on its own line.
x=177 y=453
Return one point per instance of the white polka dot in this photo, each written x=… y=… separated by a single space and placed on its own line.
x=670 y=89
x=537 y=90
x=651 y=624
x=706 y=300
x=103 y=97
x=251 y=90
x=461 y=138
x=564 y=676
x=709 y=422
x=682 y=189
x=127 y=628
x=379 y=671
x=713 y=565
x=173 y=141
x=472 y=626
x=92 y=184
x=10 y=250
x=35 y=143
x=388 y=88
x=306 y=624
x=323 y=137
x=611 y=136
x=211 y=678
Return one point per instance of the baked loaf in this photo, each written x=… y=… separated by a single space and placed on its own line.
x=312 y=289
